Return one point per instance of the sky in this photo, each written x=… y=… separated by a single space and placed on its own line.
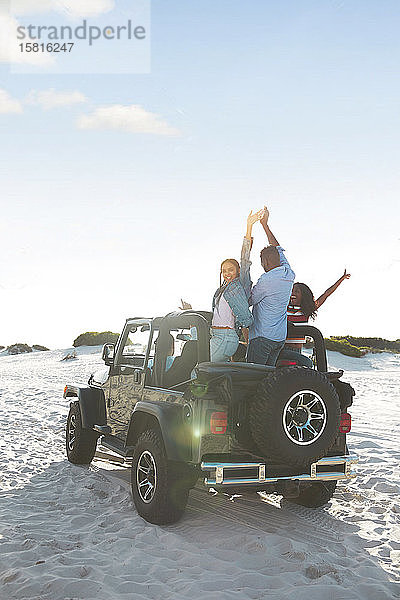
x=121 y=192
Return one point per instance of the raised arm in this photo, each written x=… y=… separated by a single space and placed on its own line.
x=185 y=305
x=251 y=219
x=245 y=261
x=331 y=289
x=264 y=222
x=273 y=241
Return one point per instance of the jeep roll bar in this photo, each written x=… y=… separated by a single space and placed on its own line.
x=181 y=320
x=319 y=343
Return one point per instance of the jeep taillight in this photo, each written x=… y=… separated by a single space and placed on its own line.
x=218 y=422
x=345 y=423
x=286 y=363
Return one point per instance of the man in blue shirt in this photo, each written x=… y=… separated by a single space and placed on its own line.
x=269 y=296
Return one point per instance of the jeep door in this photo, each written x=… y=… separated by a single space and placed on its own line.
x=128 y=375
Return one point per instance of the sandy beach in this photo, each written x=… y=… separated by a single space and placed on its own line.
x=69 y=532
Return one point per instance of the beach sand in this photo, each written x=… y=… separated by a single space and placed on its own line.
x=70 y=532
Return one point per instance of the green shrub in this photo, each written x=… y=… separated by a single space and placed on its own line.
x=18 y=348
x=372 y=342
x=39 y=348
x=344 y=347
x=94 y=338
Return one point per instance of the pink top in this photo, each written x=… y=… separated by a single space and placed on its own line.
x=223 y=315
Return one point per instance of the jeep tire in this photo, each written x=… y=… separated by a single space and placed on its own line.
x=294 y=416
x=159 y=488
x=80 y=443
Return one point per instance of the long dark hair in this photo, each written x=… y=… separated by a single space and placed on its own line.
x=307 y=304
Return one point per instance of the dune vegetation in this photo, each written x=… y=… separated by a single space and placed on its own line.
x=359 y=346
x=95 y=338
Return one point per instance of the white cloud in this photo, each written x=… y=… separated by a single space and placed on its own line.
x=49 y=99
x=9 y=104
x=71 y=8
x=10 y=52
x=132 y=119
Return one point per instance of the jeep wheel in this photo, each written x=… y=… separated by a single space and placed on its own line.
x=81 y=443
x=294 y=416
x=316 y=494
x=160 y=493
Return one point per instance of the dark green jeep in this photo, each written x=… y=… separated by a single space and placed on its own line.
x=278 y=429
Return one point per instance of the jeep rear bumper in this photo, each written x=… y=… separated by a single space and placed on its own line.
x=253 y=473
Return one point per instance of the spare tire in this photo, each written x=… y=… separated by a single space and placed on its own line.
x=294 y=416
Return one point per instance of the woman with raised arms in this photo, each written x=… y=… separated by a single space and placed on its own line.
x=230 y=305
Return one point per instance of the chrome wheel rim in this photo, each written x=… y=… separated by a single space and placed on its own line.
x=146 y=477
x=304 y=417
x=71 y=432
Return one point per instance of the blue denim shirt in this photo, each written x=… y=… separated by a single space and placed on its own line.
x=236 y=297
x=269 y=296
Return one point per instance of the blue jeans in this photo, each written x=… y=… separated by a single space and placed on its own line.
x=301 y=359
x=223 y=344
x=263 y=351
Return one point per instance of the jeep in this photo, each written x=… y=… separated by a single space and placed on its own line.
x=243 y=426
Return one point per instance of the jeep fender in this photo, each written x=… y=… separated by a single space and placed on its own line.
x=172 y=422
x=91 y=402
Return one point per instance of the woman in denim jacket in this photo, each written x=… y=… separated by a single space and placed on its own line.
x=231 y=305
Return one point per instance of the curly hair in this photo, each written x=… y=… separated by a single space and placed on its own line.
x=307 y=304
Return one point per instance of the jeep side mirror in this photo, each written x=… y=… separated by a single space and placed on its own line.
x=108 y=353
